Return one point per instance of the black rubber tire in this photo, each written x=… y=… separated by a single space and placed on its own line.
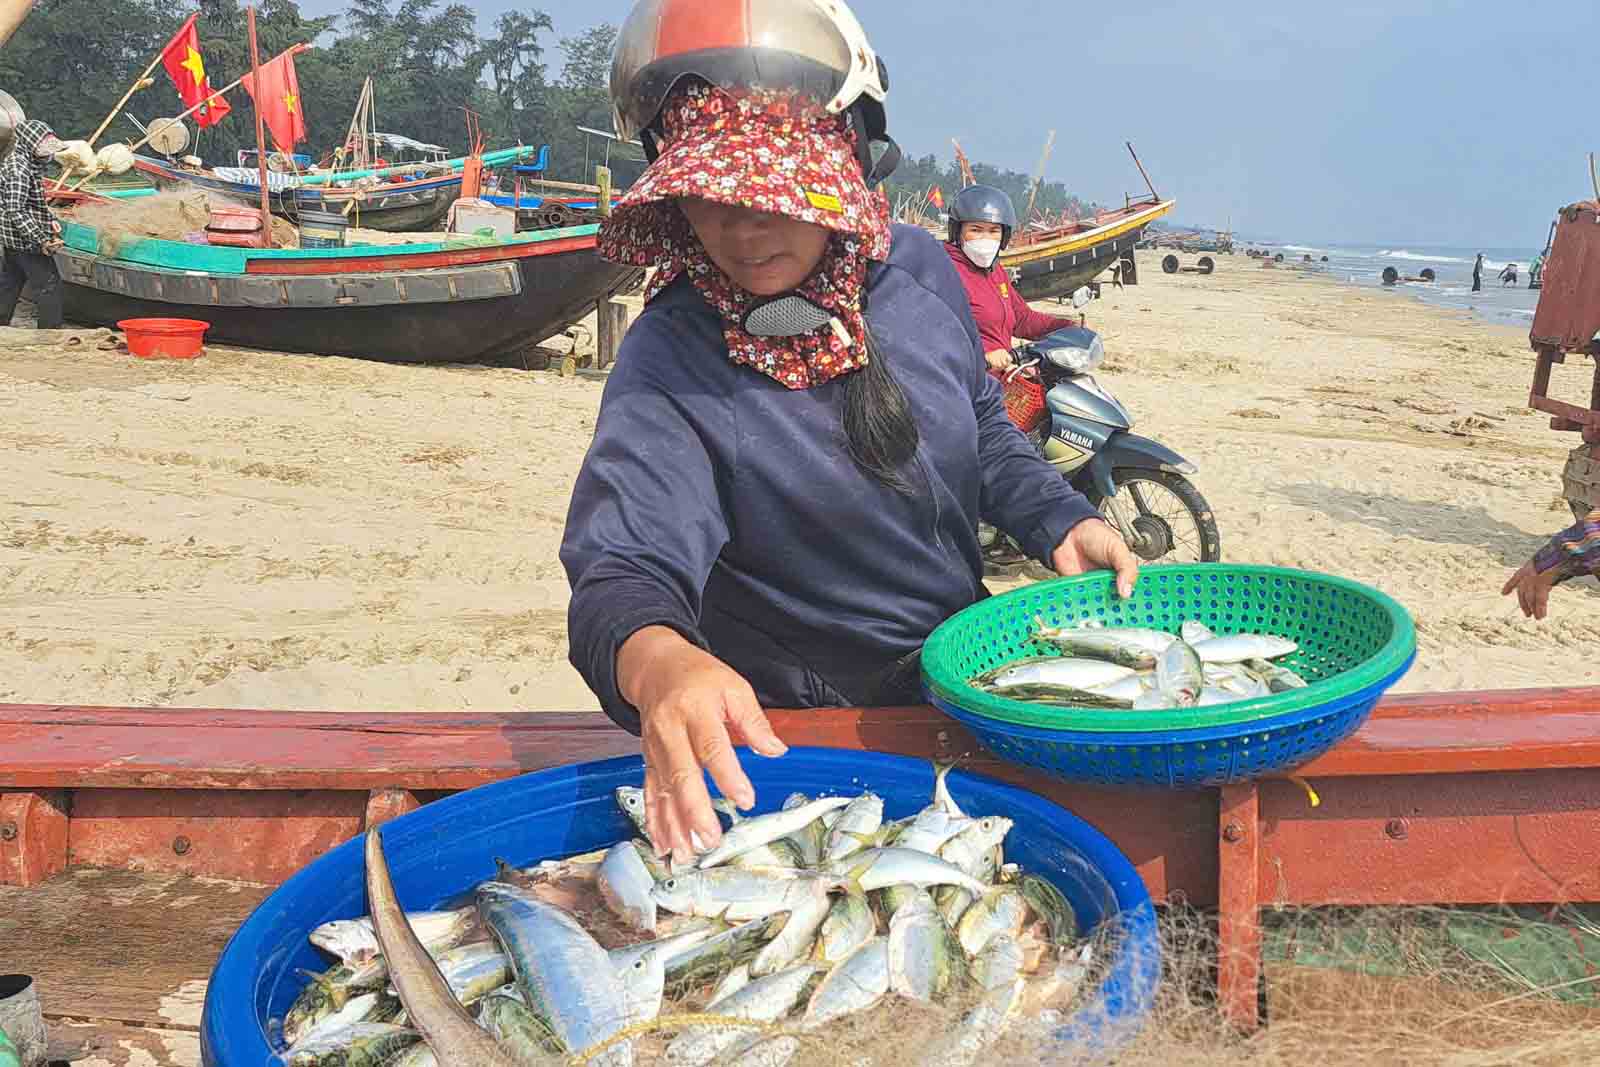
x=1207 y=264
x=1182 y=488
x=1169 y=265
x=1390 y=276
x=1278 y=258
x=1427 y=274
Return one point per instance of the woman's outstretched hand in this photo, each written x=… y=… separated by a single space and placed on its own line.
x=693 y=709
x=1095 y=545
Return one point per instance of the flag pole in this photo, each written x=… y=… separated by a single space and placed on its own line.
x=261 y=146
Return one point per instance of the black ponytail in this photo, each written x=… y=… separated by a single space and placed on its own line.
x=879 y=428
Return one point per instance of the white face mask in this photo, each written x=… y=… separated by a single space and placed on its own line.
x=982 y=251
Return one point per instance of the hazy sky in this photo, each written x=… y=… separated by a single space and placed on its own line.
x=1461 y=122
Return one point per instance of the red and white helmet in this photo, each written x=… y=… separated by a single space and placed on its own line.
x=815 y=47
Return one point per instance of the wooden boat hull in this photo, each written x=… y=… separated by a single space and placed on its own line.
x=1052 y=265
x=451 y=305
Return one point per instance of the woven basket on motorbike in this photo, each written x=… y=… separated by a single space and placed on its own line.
x=1025 y=400
x=1355 y=643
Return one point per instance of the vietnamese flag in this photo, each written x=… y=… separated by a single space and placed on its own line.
x=279 y=100
x=936 y=195
x=182 y=59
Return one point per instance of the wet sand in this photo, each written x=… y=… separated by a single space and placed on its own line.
x=262 y=530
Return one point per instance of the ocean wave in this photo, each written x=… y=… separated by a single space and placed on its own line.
x=1301 y=248
x=1414 y=257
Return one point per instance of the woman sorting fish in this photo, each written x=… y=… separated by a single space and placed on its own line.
x=798 y=438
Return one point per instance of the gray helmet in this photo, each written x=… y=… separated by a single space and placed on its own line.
x=11 y=116
x=982 y=203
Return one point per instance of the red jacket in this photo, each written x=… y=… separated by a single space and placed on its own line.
x=999 y=309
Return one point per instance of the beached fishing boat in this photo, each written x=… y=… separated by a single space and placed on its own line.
x=457 y=300
x=1054 y=262
x=136 y=844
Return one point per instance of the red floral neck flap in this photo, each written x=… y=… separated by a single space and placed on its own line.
x=772 y=153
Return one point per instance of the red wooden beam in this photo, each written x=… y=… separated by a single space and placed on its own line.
x=1239 y=905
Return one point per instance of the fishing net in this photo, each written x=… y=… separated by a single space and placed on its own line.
x=170 y=216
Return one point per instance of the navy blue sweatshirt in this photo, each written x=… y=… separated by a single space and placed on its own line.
x=719 y=503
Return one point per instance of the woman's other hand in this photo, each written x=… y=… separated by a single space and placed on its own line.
x=693 y=709
x=1532 y=589
x=1094 y=545
x=999 y=359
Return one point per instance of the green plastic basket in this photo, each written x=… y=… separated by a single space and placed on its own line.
x=1355 y=642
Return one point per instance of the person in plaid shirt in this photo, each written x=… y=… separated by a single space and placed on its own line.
x=27 y=229
x=1571 y=553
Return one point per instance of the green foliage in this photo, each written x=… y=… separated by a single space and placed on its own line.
x=72 y=59
x=915 y=176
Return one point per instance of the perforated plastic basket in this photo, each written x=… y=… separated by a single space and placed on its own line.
x=1355 y=643
x=1025 y=404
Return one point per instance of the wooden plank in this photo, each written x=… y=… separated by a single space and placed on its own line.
x=106 y=1044
x=1238 y=906
x=120 y=947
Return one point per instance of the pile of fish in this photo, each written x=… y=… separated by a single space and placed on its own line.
x=1143 y=669
x=797 y=920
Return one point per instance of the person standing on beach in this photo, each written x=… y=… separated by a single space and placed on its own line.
x=1572 y=553
x=28 y=231
x=1477 y=274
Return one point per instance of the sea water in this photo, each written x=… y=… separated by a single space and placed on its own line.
x=1452 y=267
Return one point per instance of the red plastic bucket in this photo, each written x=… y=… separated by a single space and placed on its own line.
x=164 y=338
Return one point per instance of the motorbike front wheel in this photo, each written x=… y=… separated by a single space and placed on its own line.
x=1161 y=515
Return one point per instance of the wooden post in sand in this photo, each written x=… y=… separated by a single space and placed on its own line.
x=261 y=139
x=611 y=317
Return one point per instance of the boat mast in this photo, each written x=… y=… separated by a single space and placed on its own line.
x=1038 y=177
x=261 y=137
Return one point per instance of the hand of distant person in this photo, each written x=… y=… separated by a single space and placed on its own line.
x=1532 y=588
x=1094 y=545
x=693 y=709
x=999 y=359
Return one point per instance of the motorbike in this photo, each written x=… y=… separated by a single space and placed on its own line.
x=1139 y=485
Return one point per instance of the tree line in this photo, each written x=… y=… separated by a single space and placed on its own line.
x=73 y=59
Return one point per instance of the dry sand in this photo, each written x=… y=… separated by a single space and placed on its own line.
x=262 y=530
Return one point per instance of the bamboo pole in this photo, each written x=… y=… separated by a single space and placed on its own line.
x=12 y=12
x=261 y=130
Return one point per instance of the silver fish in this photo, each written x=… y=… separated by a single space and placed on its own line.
x=1072 y=672
x=516 y=1027
x=1000 y=911
x=1059 y=696
x=444 y=1024
x=356 y=1010
x=418 y=1055
x=731 y=983
x=953 y=903
x=736 y=895
x=670 y=947
x=352 y=940
x=972 y=847
x=630 y=798
x=1130 y=646
x=941 y=789
x=808 y=840
x=885 y=902
x=999 y=973
x=625 y=885
x=763 y=829
x=474 y=971
x=858 y=982
x=1211 y=696
x=879 y=868
x=566 y=976
x=1237 y=648
x=763 y=1000
x=848 y=926
x=1193 y=631
x=718 y=953
x=367 y=1045
x=1179 y=677
x=780 y=853
x=644 y=983
x=924 y=958
x=763 y=1050
x=1278 y=679
x=930 y=829
x=857 y=822
x=799 y=933
x=1054 y=989
x=1129 y=689
x=1153 y=700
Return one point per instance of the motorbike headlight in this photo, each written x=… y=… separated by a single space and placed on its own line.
x=1079 y=360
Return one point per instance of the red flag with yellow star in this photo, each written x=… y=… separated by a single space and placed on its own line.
x=182 y=59
x=279 y=101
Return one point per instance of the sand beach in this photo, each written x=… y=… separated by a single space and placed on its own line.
x=259 y=530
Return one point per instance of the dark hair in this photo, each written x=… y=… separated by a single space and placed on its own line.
x=878 y=425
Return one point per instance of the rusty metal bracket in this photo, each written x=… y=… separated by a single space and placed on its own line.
x=33 y=836
x=386 y=804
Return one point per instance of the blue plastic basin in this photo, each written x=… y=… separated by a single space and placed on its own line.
x=445 y=848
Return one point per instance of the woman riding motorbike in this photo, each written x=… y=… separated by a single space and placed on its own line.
x=982 y=222
x=780 y=503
